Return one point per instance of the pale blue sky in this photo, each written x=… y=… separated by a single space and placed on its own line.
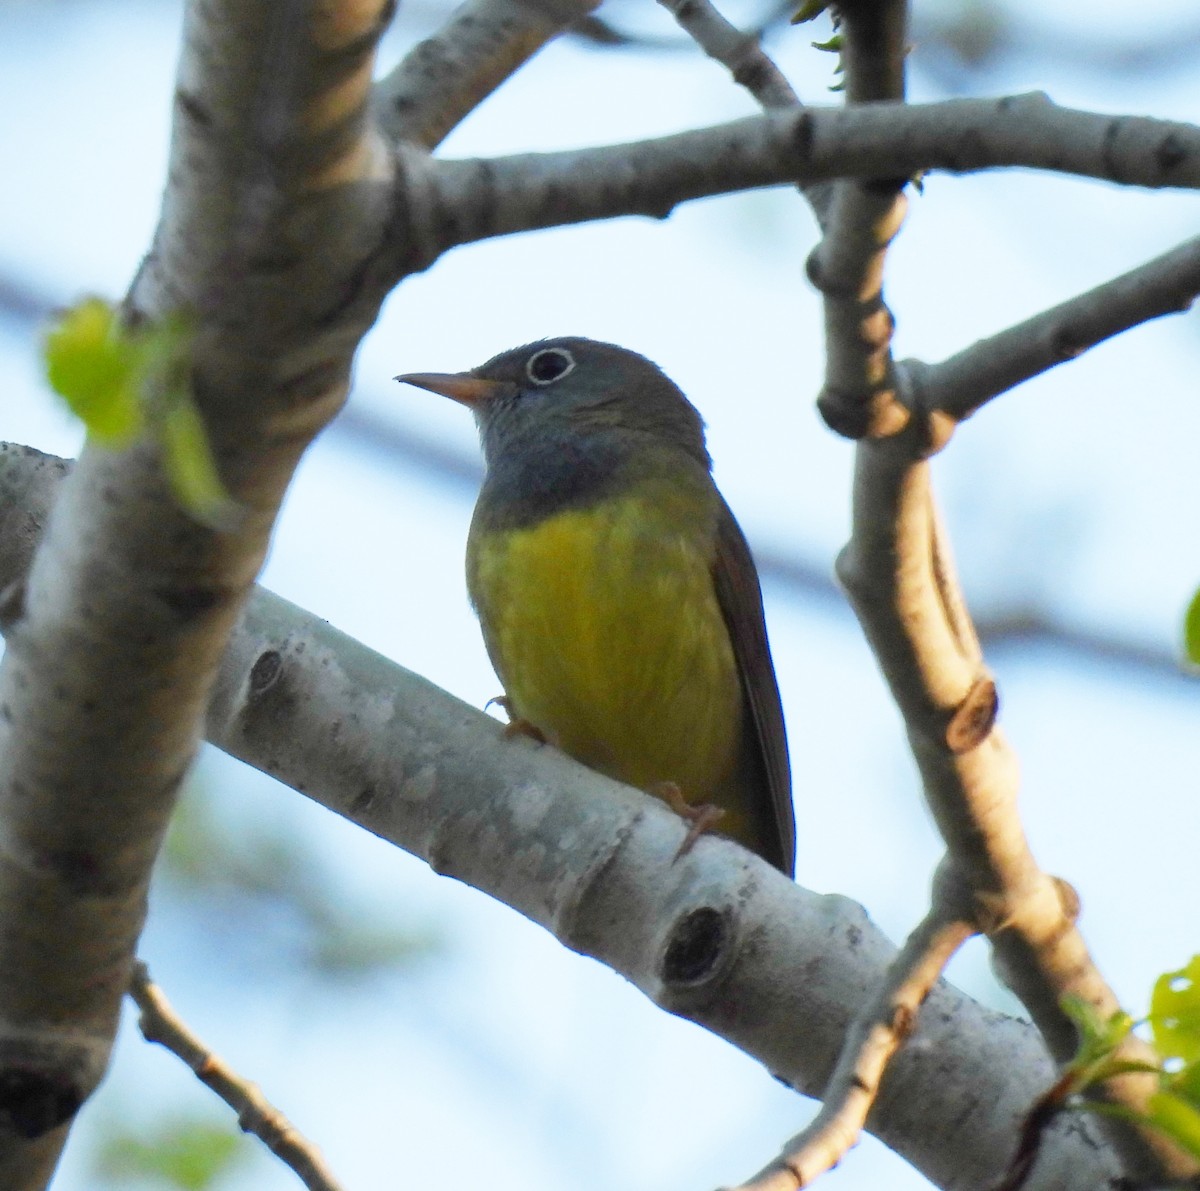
x=1075 y=493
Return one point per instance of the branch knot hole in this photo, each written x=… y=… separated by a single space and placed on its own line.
x=696 y=947
x=266 y=671
x=1170 y=153
x=32 y=1103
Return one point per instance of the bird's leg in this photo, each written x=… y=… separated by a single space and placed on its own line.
x=700 y=818
x=517 y=725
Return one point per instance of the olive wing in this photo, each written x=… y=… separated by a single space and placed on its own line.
x=740 y=598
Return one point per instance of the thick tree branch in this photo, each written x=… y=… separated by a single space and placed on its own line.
x=958 y=386
x=453 y=202
x=444 y=78
x=719 y=938
x=114 y=639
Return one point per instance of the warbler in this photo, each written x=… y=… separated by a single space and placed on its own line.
x=617 y=596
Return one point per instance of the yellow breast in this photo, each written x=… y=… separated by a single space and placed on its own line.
x=604 y=628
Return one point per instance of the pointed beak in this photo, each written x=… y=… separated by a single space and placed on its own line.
x=462 y=387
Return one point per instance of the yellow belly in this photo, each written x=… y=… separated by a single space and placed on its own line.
x=606 y=633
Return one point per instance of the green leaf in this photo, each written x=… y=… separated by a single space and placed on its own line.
x=184 y=1152
x=809 y=11
x=190 y=466
x=832 y=46
x=1089 y=1023
x=1191 y=630
x=1098 y=1036
x=1175 y=1013
x=1186 y=1083
x=120 y=382
x=94 y=367
x=1178 y=1119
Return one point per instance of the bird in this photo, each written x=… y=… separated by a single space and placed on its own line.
x=618 y=599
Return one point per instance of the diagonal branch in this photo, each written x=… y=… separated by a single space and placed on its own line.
x=453 y=202
x=159 y=1023
x=740 y=53
x=446 y=76
x=750 y=66
x=958 y=386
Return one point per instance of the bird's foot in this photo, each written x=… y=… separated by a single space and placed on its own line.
x=517 y=725
x=700 y=818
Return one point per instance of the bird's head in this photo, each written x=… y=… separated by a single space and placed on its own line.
x=570 y=390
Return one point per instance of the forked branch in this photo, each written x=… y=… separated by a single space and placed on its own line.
x=899 y=575
x=879 y=1030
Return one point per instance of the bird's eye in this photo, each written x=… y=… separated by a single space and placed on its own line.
x=548 y=365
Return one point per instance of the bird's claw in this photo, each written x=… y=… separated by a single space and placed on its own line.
x=517 y=725
x=700 y=819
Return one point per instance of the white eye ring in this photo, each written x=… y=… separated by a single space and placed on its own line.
x=563 y=361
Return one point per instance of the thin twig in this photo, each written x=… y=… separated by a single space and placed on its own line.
x=959 y=385
x=159 y=1023
x=874 y=36
x=877 y=1033
x=750 y=66
x=603 y=32
x=860 y=392
x=740 y=53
